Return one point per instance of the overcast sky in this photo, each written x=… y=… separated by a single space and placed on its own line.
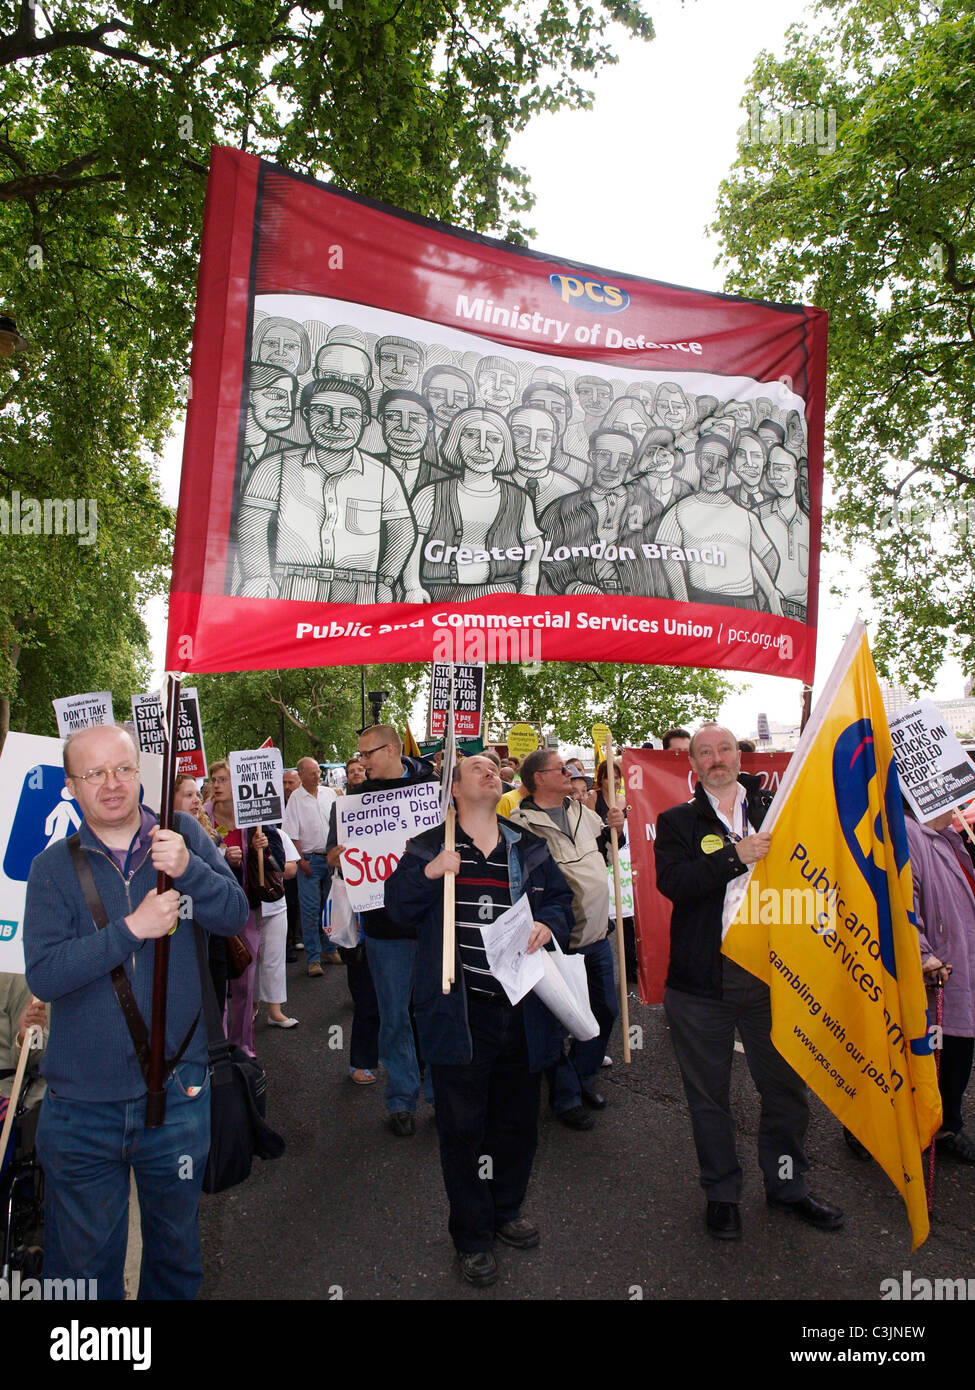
x=660 y=138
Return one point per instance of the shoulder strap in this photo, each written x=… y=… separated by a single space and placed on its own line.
x=120 y=981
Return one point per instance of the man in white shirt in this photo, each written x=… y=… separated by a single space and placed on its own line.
x=787 y=527
x=341 y=524
x=306 y=821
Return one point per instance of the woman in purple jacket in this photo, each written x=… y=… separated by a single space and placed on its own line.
x=944 y=903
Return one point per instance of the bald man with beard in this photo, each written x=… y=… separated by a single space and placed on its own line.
x=700 y=847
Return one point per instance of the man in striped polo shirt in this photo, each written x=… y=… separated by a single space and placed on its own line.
x=486 y=1055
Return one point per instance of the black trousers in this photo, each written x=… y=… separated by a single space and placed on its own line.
x=953 y=1077
x=703 y=1034
x=294 y=912
x=487 y=1118
x=364 y=1042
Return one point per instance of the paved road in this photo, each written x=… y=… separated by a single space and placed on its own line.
x=352 y=1212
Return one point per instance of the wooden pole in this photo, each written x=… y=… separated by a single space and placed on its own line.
x=939 y=1019
x=17 y=1084
x=260 y=862
x=614 y=841
x=968 y=829
x=155 y=1085
x=449 y=920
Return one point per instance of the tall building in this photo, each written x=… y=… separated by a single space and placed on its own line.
x=895 y=697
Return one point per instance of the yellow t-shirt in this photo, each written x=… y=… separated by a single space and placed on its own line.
x=510 y=800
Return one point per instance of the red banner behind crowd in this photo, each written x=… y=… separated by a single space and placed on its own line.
x=397 y=430
x=655 y=781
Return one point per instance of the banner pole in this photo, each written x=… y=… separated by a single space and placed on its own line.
x=939 y=1019
x=18 y=1081
x=968 y=829
x=155 y=1082
x=614 y=841
x=449 y=884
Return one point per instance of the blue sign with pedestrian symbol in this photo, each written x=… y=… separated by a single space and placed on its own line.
x=46 y=812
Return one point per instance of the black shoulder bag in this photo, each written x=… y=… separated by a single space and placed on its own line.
x=238 y=1091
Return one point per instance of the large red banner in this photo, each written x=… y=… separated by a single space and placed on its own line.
x=654 y=782
x=406 y=442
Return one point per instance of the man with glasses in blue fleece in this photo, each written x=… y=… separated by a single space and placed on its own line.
x=390 y=947
x=93 y=1128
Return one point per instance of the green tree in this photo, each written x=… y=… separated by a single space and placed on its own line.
x=861 y=201
x=107 y=113
x=319 y=712
x=567 y=698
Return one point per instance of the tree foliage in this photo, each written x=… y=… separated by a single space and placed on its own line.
x=319 y=713
x=568 y=698
x=107 y=113
x=876 y=226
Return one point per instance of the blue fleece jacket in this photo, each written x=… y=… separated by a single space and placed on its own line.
x=90 y=1055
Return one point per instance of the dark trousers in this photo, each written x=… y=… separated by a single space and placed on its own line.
x=581 y=1066
x=487 y=1118
x=217 y=947
x=364 y=1042
x=703 y=1034
x=294 y=912
x=953 y=1078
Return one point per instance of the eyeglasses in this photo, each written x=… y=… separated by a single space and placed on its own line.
x=560 y=768
x=97 y=776
x=368 y=752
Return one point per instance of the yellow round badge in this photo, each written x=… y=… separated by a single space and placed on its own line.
x=712 y=842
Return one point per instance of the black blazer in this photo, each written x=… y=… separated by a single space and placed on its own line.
x=694 y=878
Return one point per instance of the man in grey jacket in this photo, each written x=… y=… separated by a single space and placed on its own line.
x=577 y=841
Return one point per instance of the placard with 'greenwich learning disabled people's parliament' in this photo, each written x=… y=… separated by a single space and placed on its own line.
x=399 y=432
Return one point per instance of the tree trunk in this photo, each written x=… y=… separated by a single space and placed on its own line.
x=5 y=700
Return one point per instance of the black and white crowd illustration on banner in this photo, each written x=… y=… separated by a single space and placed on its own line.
x=376 y=467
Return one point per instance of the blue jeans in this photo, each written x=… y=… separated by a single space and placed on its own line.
x=312 y=896
x=87 y=1148
x=580 y=1068
x=391 y=968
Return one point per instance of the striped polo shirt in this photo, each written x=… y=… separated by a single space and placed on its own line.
x=482 y=893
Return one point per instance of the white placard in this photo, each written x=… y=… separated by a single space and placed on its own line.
x=934 y=771
x=505 y=940
x=465 y=683
x=374 y=828
x=150 y=735
x=76 y=712
x=626 y=884
x=257 y=786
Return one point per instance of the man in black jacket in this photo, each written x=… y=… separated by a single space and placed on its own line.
x=390 y=947
x=700 y=847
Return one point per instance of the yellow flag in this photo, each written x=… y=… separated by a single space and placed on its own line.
x=410 y=746
x=826 y=919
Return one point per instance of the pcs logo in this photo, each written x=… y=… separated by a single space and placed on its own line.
x=591 y=295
